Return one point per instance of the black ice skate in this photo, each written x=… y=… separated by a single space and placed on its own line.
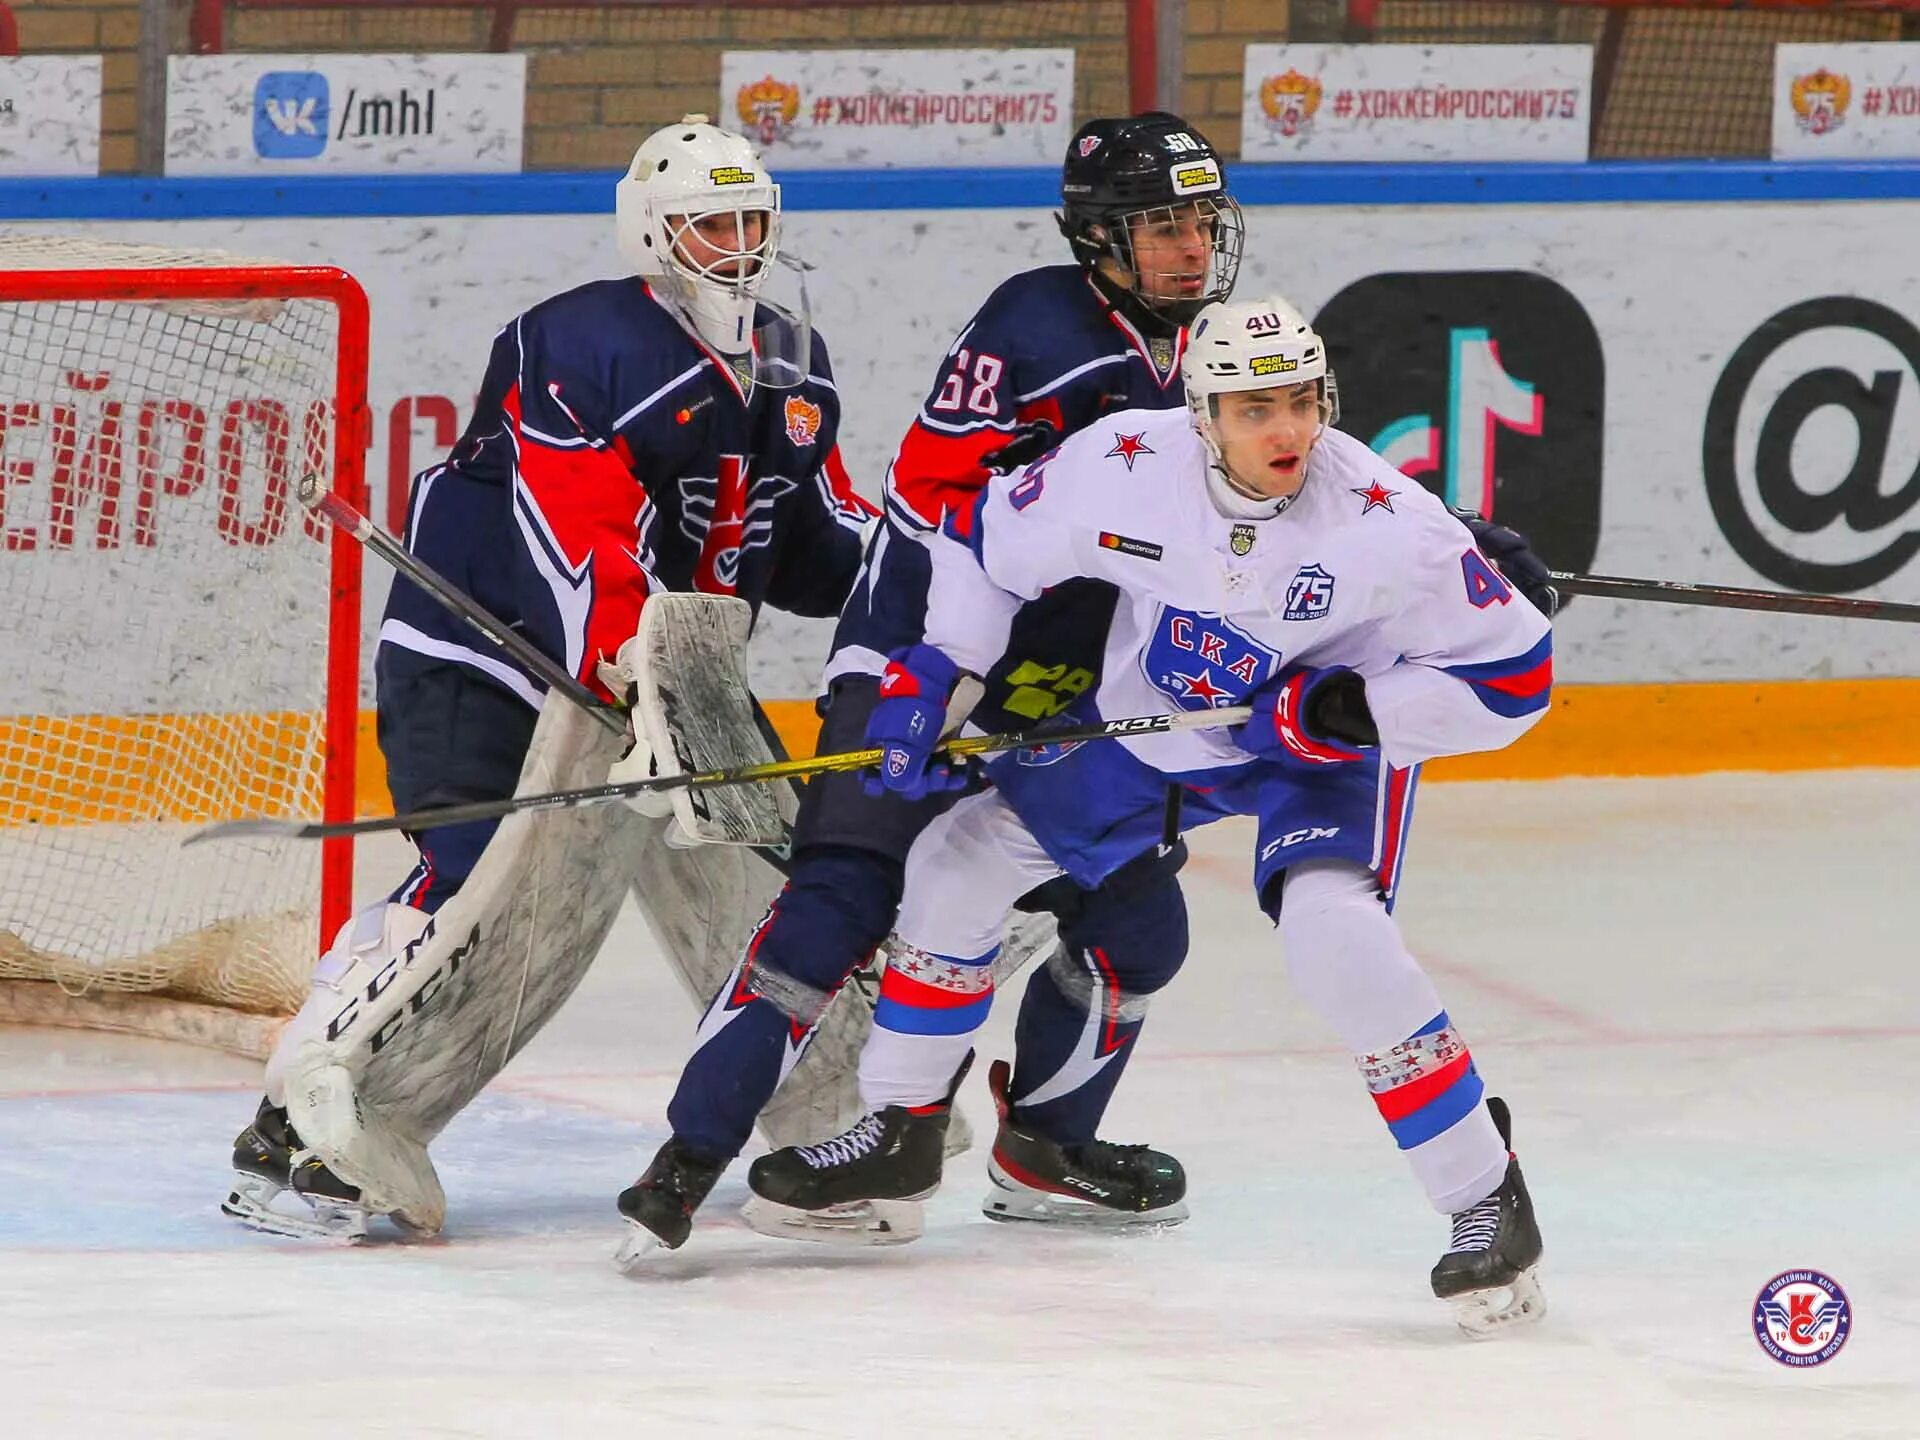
x=269 y=1160
x=862 y=1187
x=659 y=1205
x=1096 y=1184
x=1491 y=1269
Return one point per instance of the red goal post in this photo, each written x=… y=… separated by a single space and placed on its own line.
x=183 y=641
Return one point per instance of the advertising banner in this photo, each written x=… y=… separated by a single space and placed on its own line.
x=50 y=115
x=353 y=114
x=1416 y=102
x=835 y=108
x=1719 y=406
x=1846 y=102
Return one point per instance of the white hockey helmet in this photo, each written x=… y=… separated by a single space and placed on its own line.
x=683 y=173
x=1261 y=344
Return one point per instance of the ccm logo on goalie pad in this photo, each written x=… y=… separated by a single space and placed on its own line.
x=416 y=1003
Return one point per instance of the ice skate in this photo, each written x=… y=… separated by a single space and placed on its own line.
x=1096 y=1184
x=862 y=1187
x=1491 y=1269
x=269 y=1161
x=659 y=1205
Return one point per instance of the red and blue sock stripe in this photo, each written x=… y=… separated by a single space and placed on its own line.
x=922 y=993
x=1425 y=1085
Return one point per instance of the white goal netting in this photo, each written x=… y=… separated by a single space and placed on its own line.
x=167 y=601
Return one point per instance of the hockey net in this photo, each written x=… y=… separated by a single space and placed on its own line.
x=181 y=639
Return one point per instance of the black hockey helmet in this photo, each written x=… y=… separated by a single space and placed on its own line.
x=1120 y=171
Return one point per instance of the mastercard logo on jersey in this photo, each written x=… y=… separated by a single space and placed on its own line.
x=803 y=420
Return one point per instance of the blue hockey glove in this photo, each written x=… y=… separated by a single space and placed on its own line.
x=1309 y=718
x=907 y=722
x=1514 y=558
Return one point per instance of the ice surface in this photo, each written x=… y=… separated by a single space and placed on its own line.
x=1701 y=997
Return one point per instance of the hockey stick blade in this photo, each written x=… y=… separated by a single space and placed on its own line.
x=1135 y=725
x=1728 y=597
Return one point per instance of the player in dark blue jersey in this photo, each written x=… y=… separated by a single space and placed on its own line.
x=669 y=430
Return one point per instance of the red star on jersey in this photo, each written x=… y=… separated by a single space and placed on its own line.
x=1202 y=687
x=1129 y=446
x=1376 y=494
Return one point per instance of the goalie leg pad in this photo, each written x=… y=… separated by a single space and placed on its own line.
x=405 y=1052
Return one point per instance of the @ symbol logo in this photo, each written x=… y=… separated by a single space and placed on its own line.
x=1812 y=445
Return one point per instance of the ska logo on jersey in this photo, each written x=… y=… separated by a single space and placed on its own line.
x=1203 y=662
x=1309 y=594
x=1129 y=448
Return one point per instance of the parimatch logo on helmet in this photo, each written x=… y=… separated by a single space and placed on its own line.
x=1272 y=364
x=731 y=175
x=1487 y=386
x=1199 y=175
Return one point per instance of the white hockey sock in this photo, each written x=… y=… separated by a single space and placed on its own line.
x=1349 y=963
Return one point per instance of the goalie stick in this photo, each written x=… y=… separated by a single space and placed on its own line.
x=341 y=514
x=737 y=775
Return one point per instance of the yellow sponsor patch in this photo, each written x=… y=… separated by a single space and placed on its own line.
x=1192 y=177
x=731 y=175
x=1272 y=364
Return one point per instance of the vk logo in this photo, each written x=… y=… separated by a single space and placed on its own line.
x=290 y=114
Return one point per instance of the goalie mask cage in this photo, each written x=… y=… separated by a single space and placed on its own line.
x=181 y=641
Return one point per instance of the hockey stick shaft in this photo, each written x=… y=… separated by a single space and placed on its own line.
x=1675 y=592
x=343 y=516
x=738 y=775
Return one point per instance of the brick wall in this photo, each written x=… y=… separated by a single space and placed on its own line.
x=91 y=27
x=1688 y=82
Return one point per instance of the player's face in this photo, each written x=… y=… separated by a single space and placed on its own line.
x=1265 y=437
x=1172 y=252
x=722 y=243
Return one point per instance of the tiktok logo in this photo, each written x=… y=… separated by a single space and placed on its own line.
x=1482 y=398
x=1486 y=386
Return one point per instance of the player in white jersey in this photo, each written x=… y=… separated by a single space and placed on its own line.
x=1263 y=558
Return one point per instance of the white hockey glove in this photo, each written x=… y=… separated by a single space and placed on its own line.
x=621 y=675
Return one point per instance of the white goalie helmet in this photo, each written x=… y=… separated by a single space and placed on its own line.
x=682 y=174
x=1258 y=344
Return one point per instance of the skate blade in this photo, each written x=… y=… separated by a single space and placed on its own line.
x=251 y=1203
x=640 y=1244
x=1011 y=1201
x=862 y=1223
x=959 y=1134
x=1482 y=1314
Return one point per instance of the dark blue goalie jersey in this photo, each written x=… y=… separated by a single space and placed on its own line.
x=612 y=455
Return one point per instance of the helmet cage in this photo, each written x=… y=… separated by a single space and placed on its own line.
x=1112 y=235
x=734 y=269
